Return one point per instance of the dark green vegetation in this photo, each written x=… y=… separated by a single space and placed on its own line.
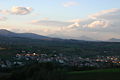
x=41 y=71
x=50 y=71
x=66 y=47
x=107 y=74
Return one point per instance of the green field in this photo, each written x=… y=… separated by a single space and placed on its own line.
x=107 y=74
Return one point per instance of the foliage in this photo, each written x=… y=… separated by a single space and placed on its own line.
x=42 y=71
x=66 y=47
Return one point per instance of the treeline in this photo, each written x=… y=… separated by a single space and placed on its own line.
x=41 y=71
x=66 y=47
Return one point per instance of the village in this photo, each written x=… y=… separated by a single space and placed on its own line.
x=98 y=61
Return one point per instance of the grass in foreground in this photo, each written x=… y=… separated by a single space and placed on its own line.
x=106 y=74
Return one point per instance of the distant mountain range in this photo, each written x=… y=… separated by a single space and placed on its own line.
x=114 y=40
x=4 y=34
x=7 y=33
x=86 y=38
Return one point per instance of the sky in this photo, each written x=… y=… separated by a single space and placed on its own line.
x=97 y=19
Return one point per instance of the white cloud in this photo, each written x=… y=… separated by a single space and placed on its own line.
x=105 y=13
x=21 y=10
x=95 y=24
x=51 y=23
x=69 y=4
x=105 y=19
x=2 y=18
x=5 y=12
x=102 y=24
x=17 y=10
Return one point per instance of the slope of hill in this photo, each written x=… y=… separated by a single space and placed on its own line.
x=114 y=40
x=106 y=74
x=7 y=33
x=86 y=38
x=15 y=44
x=33 y=36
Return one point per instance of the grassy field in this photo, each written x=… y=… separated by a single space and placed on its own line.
x=106 y=74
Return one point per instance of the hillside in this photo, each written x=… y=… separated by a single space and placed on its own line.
x=17 y=44
x=114 y=40
x=7 y=33
x=106 y=74
x=50 y=71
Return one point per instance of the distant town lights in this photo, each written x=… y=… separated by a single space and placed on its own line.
x=34 y=53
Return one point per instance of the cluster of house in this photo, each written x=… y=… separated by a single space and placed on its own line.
x=99 y=61
x=9 y=63
x=108 y=59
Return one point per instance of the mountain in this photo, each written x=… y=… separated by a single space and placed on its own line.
x=7 y=33
x=33 y=36
x=16 y=42
x=62 y=36
x=114 y=40
x=4 y=32
x=85 y=38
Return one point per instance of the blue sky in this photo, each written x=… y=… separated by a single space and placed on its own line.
x=53 y=17
x=55 y=8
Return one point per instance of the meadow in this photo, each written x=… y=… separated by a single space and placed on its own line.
x=104 y=74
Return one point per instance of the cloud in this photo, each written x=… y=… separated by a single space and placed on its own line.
x=51 y=23
x=98 y=24
x=105 y=13
x=73 y=25
x=21 y=10
x=69 y=4
x=2 y=18
x=16 y=10
x=5 y=12
x=106 y=19
x=104 y=24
